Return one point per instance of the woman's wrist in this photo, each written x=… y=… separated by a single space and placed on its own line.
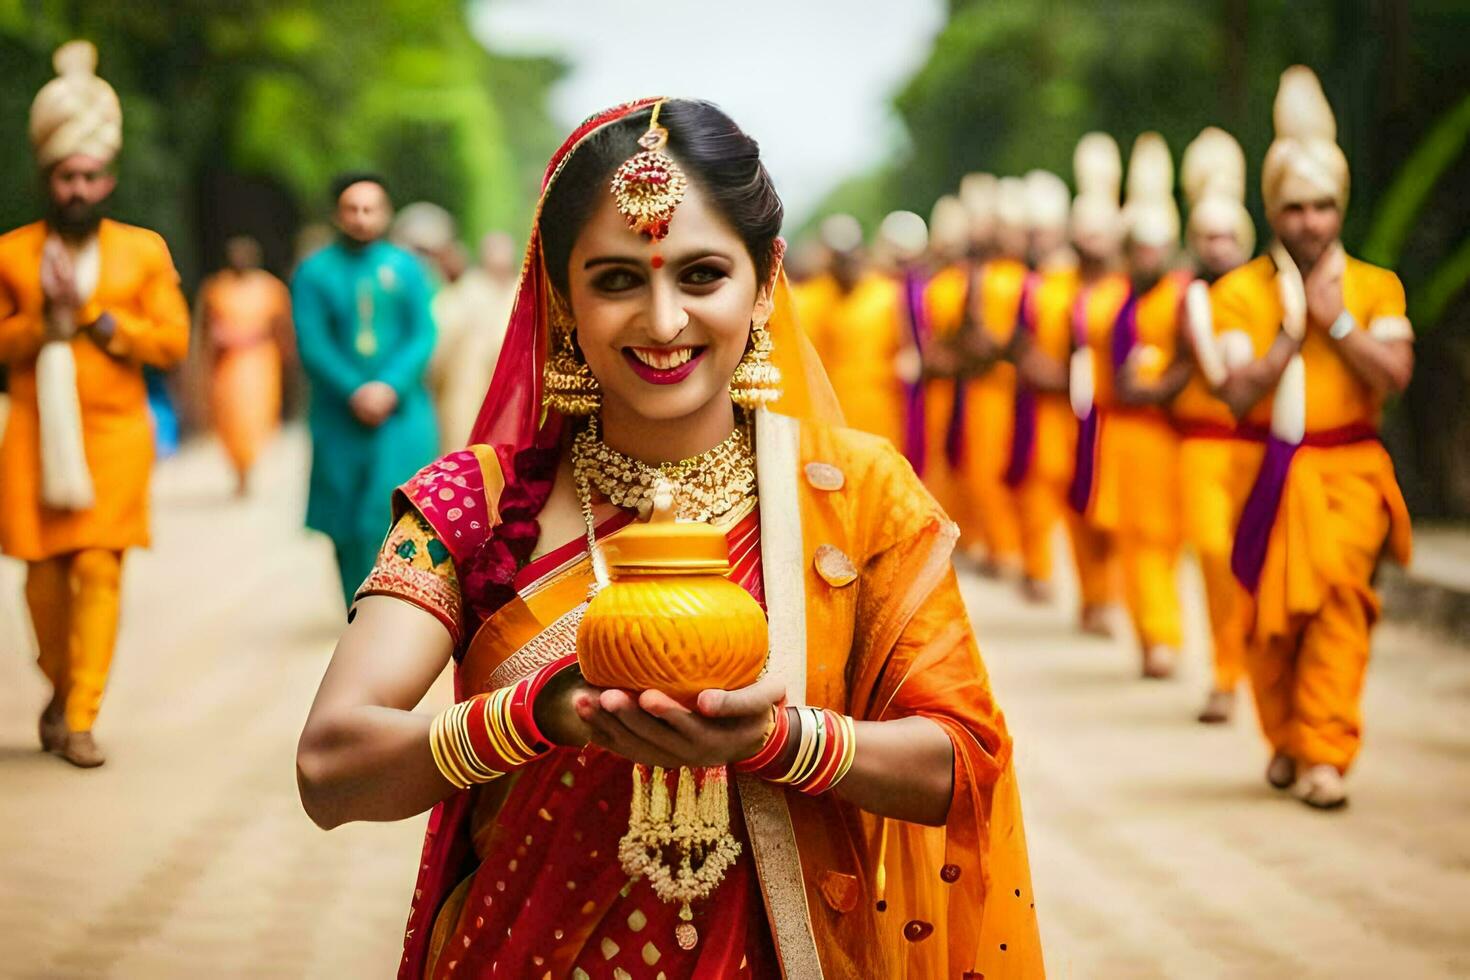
x=777 y=743
x=810 y=750
x=552 y=708
x=490 y=735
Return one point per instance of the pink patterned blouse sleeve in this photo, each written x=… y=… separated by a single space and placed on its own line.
x=451 y=495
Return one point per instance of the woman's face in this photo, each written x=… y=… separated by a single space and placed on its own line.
x=663 y=325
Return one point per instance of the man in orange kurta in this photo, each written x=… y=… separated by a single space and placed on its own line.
x=866 y=342
x=992 y=533
x=84 y=304
x=1044 y=430
x=1217 y=457
x=952 y=254
x=246 y=314
x=1332 y=343
x=1101 y=292
x=1138 y=485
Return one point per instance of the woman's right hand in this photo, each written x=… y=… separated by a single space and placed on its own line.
x=556 y=708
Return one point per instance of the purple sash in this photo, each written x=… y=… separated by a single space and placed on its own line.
x=917 y=317
x=1253 y=533
x=1080 y=492
x=1125 y=335
x=1125 y=332
x=954 y=432
x=1023 y=430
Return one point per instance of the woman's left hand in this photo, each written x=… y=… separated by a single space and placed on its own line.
x=654 y=729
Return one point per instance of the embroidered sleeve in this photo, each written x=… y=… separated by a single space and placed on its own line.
x=415 y=566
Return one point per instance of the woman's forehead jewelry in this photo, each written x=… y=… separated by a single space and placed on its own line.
x=649 y=185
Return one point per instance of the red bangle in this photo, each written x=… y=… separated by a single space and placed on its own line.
x=477 y=727
x=523 y=706
x=836 y=747
x=776 y=743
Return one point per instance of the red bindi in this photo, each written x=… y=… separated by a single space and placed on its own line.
x=657 y=262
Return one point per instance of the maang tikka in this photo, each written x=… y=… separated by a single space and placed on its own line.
x=649 y=186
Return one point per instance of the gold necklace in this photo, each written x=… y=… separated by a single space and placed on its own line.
x=705 y=487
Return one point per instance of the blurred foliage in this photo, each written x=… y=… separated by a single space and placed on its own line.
x=288 y=94
x=1011 y=85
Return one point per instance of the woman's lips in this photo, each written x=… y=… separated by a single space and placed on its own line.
x=663 y=366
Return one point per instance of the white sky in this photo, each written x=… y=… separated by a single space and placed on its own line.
x=809 y=79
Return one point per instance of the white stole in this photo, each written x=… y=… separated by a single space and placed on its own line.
x=1289 y=405
x=66 y=481
x=767 y=817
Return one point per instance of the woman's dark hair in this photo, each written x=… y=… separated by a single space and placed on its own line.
x=713 y=152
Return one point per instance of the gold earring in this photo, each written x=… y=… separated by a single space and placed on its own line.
x=756 y=380
x=567 y=383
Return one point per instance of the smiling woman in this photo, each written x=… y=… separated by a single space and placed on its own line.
x=874 y=820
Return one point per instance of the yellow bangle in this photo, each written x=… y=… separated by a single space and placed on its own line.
x=499 y=729
x=850 y=755
x=804 y=747
x=436 y=748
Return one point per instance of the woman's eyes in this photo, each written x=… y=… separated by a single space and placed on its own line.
x=617 y=280
x=702 y=275
x=622 y=280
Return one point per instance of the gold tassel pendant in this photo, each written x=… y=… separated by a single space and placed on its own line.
x=683 y=850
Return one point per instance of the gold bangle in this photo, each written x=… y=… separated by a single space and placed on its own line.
x=436 y=748
x=459 y=750
x=498 y=723
x=850 y=755
x=803 y=749
x=819 y=718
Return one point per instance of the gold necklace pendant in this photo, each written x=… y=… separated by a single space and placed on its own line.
x=706 y=486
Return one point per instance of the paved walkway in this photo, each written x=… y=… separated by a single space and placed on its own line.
x=1157 y=849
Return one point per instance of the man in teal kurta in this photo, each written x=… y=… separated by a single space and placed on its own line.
x=361 y=310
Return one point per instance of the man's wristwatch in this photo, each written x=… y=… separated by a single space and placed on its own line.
x=1342 y=326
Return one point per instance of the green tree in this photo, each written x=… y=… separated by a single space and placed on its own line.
x=289 y=93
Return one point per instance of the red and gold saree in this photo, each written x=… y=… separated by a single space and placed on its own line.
x=521 y=878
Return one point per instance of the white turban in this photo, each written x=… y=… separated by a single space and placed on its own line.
x=1010 y=203
x=949 y=225
x=842 y=233
x=1150 y=169
x=1047 y=200
x=76 y=112
x=423 y=227
x=977 y=194
x=904 y=235
x=1305 y=162
x=1213 y=163
x=1218 y=214
x=1097 y=166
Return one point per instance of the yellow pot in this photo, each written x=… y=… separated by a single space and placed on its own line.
x=669 y=619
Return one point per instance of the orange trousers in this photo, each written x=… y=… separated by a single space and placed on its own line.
x=1308 y=677
x=1140 y=461
x=74 y=601
x=1094 y=552
x=1229 y=608
x=1308 y=683
x=1215 y=476
x=245 y=395
x=1039 y=506
x=994 y=529
x=1150 y=590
